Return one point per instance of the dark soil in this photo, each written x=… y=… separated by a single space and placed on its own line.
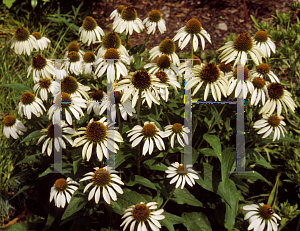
x=209 y=12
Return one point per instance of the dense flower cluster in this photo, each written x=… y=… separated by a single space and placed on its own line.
x=61 y=97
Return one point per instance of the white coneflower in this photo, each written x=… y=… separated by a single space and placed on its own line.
x=182 y=66
x=104 y=182
x=45 y=86
x=170 y=80
x=74 y=64
x=262 y=40
x=125 y=107
x=166 y=47
x=42 y=42
x=260 y=91
x=97 y=134
x=90 y=31
x=67 y=103
x=235 y=83
x=13 y=127
x=52 y=140
x=142 y=81
x=29 y=103
x=181 y=174
x=103 y=65
x=60 y=74
x=128 y=22
x=62 y=191
x=140 y=216
x=70 y=85
x=89 y=60
x=269 y=123
x=164 y=64
x=73 y=46
x=111 y=40
x=278 y=97
x=117 y=12
x=263 y=70
x=189 y=32
x=23 y=42
x=239 y=48
x=97 y=98
x=210 y=75
x=41 y=68
x=154 y=19
x=261 y=215
x=225 y=68
x=150 y=134
x=179 y=131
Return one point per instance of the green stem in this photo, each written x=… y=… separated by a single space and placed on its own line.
x=92 y=46
x=144 y=44
x=139 y=107
x=118 y=117
x=165 y=156
x=211 y=127
x=126 y=41
x=130 y=120
x=196 y=121
x=287 y=118
x=168 y=198
x=292 y=72
x=258 y=138
x=166 y=109
x=141 y=48
x=192 y=50
x=139 y=158
x=37 y=119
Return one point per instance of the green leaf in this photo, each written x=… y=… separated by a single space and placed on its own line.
x=32 y=158
x=122 y=155
x=63 y=20
x=50 y=220
x=231 y=209
x=167 y=223
x=183 y=196
x=77 y=202
x=273 y=196
x=210 y=180
x=17 y=86
x=24 y=188
x=22 y=226
x=215 y=143
x=158 y=199
x=282 y=139
x=258 y=158
x=136 y=179
x=173 y=218
x=253 y=176
x=228 y=159
x=254 y=20
x=8 y=3
x=154 y=165
x=216 y=115
x=207 y=151
x=76 y=163
x=195 y=221
x=138 y=60
x=32 y=135
x=137 y=48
